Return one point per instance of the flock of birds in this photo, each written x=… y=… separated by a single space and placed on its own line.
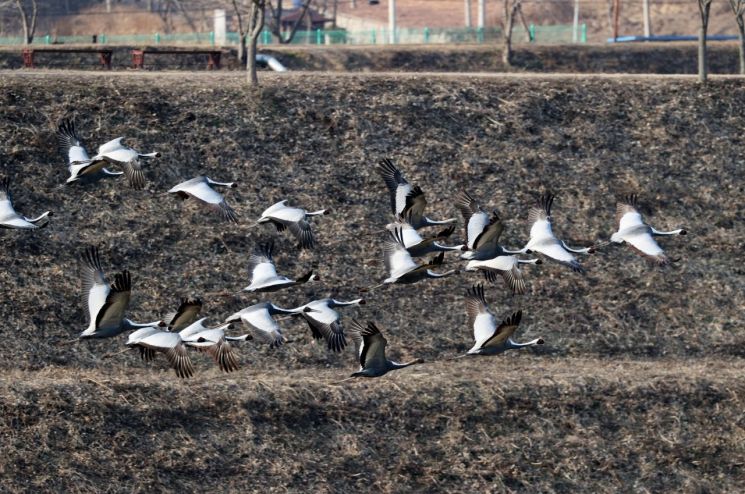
x=107 y=302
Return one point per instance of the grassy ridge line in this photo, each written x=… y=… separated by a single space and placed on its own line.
x=521 y=423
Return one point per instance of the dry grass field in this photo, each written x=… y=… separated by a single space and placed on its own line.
x=639 y=387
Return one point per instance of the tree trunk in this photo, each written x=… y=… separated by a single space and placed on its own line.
x=616 y=18
x=242 y=33
x=509 y=22
x=253 y=79
x=741 y=35
x=242 y=48
x=255 y=25
x=738 y=8
x=703 y=6
x=29 y=26
x=702 y=54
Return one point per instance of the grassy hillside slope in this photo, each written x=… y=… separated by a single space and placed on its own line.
x=639 y=383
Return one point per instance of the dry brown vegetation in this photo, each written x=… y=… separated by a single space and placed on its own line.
x=639 y=386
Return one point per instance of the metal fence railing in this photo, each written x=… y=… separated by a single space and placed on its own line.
x=555 y=34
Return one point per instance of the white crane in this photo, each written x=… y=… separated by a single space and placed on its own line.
x=639 y=235
x=407 y=202
x=371 y=351
x=146 y=354
x=418 y=246
x=82 y=168
x=259 y=318
x=506 y=266
x=201 y=189
x=117 y=153
x=294 y=219
x=187 y=312
x=150 y=340
x=9 y=218
x=402 y=268
x=106 y=304
x=482 y=230
x=214 y=342
x=543 y=240
x=490 y=337
x=325 y=323
x=263 y=272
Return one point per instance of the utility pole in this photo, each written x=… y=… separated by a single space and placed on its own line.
x=481 y=14
x=468 y=13
x=647 y=22
x=575 y=22
x=392 y=22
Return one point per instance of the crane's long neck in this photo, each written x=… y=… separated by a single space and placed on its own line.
x=273 y=309
x=220 y=184
x=38 y=218
x=224 y=326
x=432 y=274
x=243 y=337
x=514 y=344
x=430 y=222
x=679 y=231
x=520 y=251
x=149 y=155
x=584 y=250
x=396 y=365
x=316 y=213
x=447 y=247
x=128 y=324
x=341 y=303
x=528 y=261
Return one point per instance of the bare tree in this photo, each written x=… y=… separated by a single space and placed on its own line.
x=29 y=23
x=255 y=26
x=511 y=7
x=186 y=15
x=738 y=8
x=703 y=8
x=276 y=20
x=242 y=33
x=167 y=9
